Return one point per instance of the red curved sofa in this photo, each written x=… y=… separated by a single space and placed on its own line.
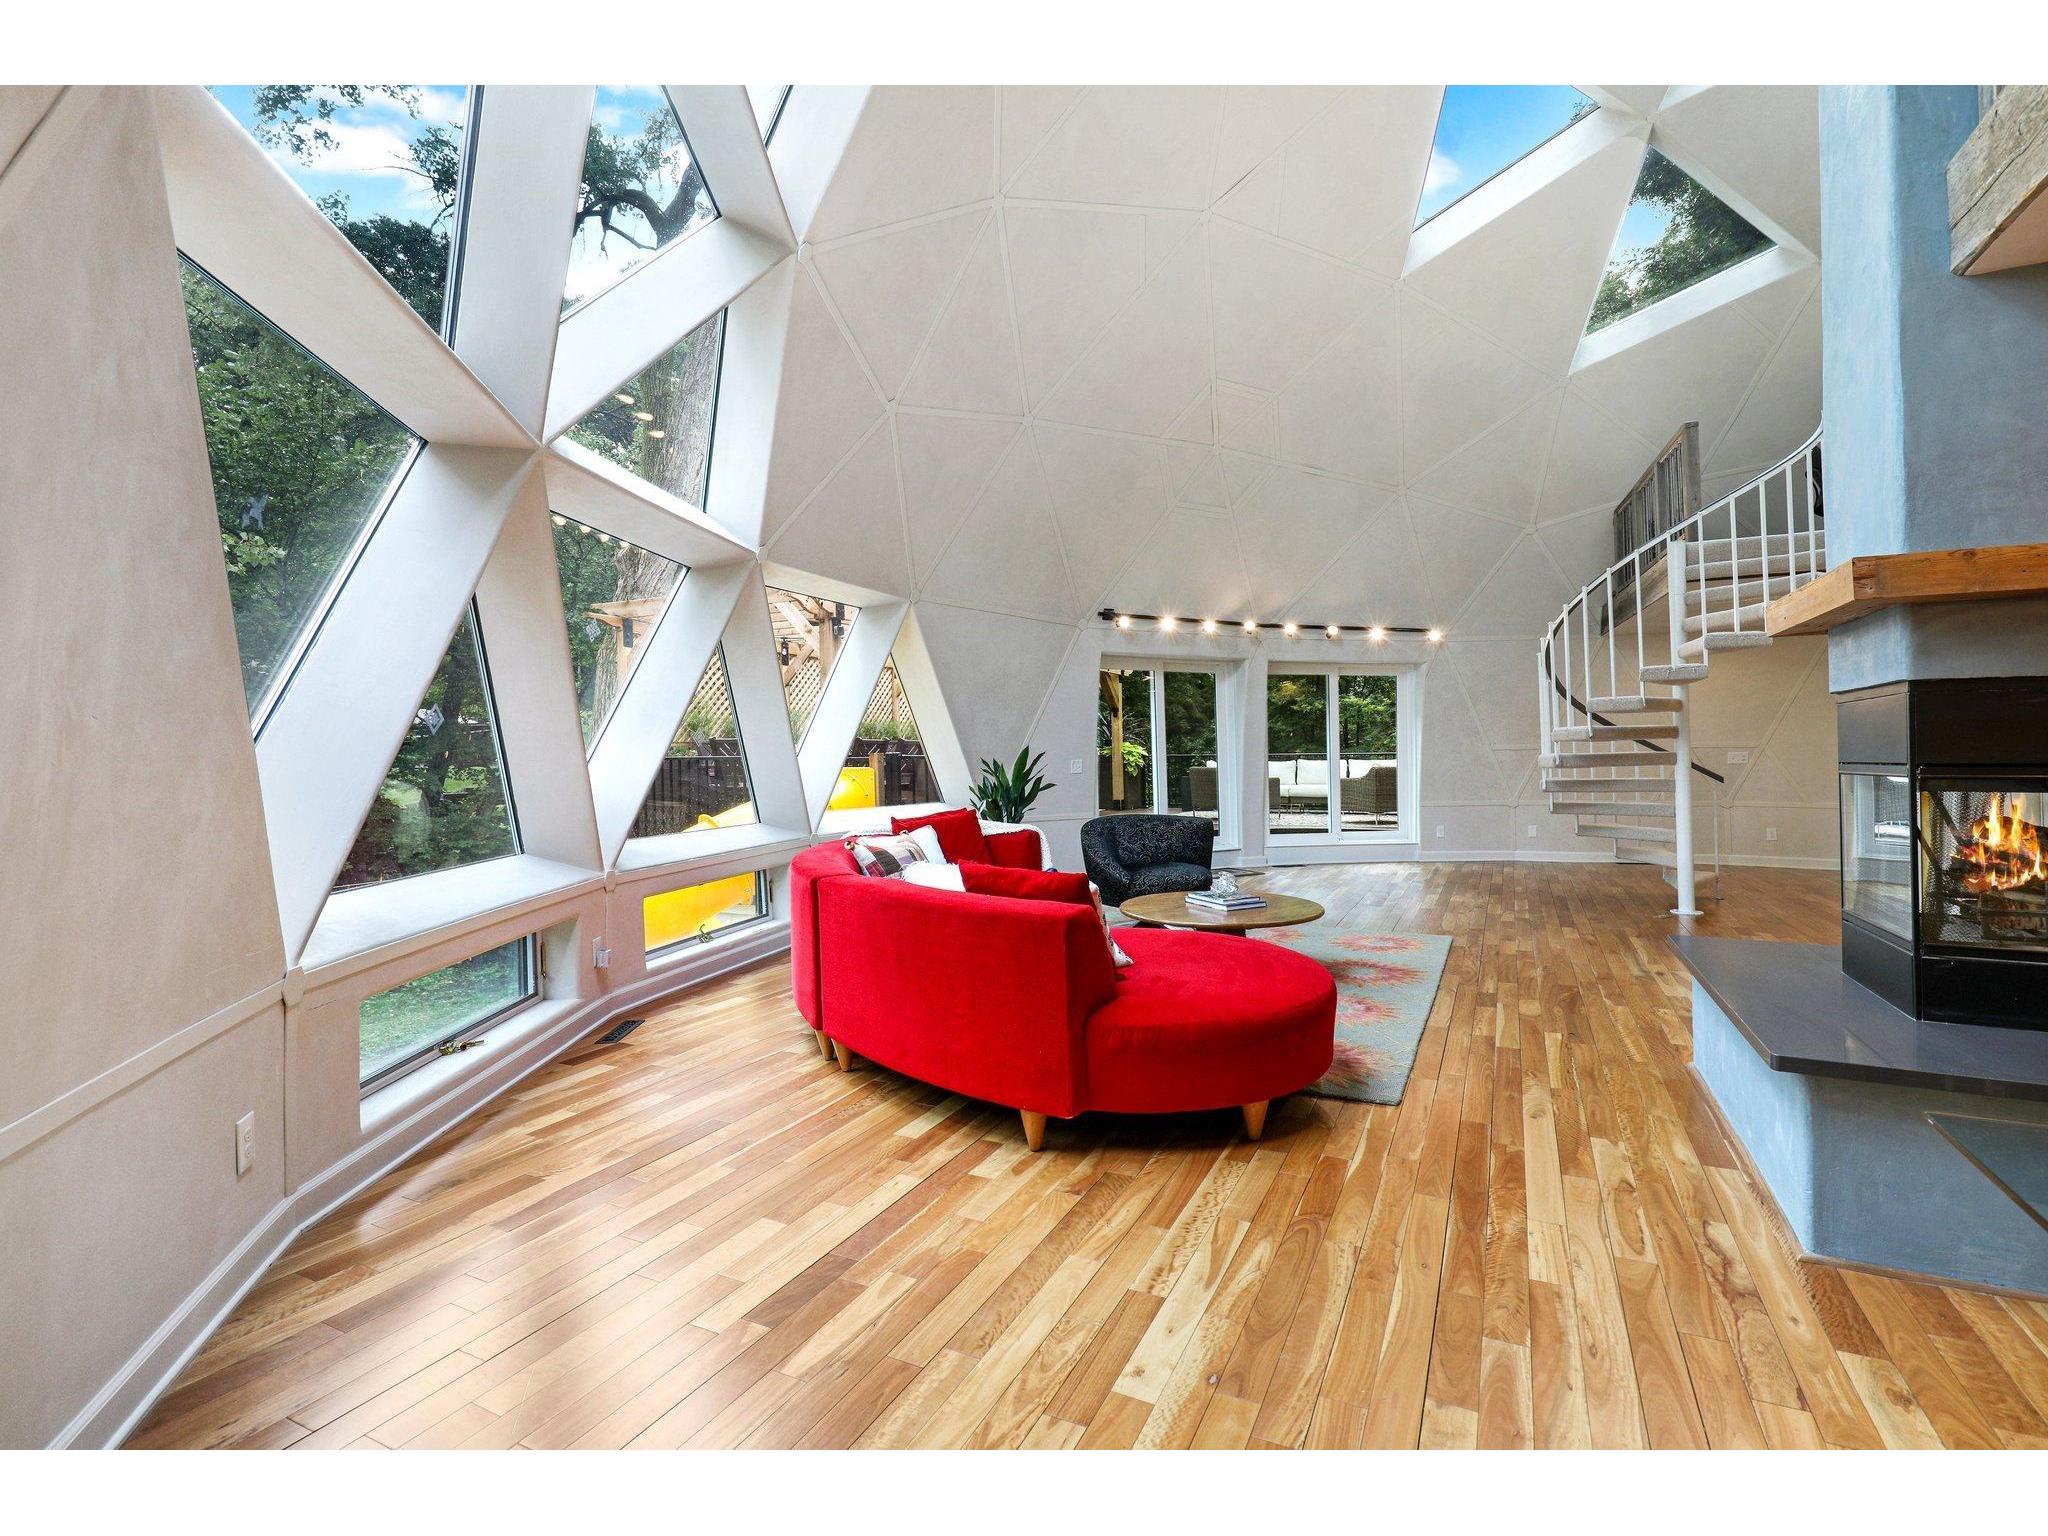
x=1016 y=1001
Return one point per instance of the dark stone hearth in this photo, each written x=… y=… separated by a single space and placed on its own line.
x=1794 y=1004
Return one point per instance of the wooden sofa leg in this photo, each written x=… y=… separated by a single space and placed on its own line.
x=1255 y=1119
x=845 y=1056
x=824 y=1045
x=1034 y=1129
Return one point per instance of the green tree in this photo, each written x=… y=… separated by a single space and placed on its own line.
x=1704 y=236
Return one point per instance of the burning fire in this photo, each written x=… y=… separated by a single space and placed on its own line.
x=2004 y=850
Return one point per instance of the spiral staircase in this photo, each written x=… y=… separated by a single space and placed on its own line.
x=1615 y=669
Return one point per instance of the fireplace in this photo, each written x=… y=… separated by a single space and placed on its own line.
x=1944 y=800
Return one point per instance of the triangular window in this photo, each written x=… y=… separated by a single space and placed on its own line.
x=443 y=803
x=1481 y=130
x=658 y=425
x=384 y=162
x=809 y=632
x=613 y=595
x=1675 y=233
x=702 y=780
x=303 y=462
x=641 y=192
x=886 y=764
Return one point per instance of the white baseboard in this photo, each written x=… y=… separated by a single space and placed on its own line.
x=114 y=1411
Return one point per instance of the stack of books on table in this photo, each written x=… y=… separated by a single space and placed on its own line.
x=1216 y=901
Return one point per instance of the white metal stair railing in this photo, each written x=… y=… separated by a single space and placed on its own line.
x=1617 y=749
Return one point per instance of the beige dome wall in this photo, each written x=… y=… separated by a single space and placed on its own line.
x=1175 y=349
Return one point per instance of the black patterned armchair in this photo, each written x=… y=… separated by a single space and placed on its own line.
x=1142 y=855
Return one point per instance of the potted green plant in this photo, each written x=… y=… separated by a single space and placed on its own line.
x=1006 y=793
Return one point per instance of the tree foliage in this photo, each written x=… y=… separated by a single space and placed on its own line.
x=1704 y=236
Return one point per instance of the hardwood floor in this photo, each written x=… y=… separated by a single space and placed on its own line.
x=708 y=1236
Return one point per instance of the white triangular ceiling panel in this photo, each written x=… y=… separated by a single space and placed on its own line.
x=1257 y=120
x=1760 y=141
x=1187 y=568
x=853 y=528
x=1342 y=413
x=1462 y=549
x=946 y=132
x=994 y=671
x=970 y=363
x=1353 y=176
x=1276 y=306
x=1071 y=270
x=1292 y=524
x=1140 y=146
x=1107 y=493
x=1152 y=362
x=946 y=460
x=889 y=287
x=1006 y=554
x=1593 y=460
x=1376 y=580
x=1784 y=403
x=1695 y=371
x=1501 y=471
x=825 y=407
x=1029 y=112
x=1454 y=385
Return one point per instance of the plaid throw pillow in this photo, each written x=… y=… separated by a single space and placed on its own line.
x=885 y=856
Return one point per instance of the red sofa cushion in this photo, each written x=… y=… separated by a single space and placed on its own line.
x=1207 y=1020
x=960 y=834
x=1030 y=884
x=1016 y=850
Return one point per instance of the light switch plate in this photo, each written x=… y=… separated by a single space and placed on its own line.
x=1737 y=757
x=245 y=1143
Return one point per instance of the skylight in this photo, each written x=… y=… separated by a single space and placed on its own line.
x=384 y=162
x=1675 y=233
x=1481 y=130
x=768 y=102
x=641 y=189
x=613 y=595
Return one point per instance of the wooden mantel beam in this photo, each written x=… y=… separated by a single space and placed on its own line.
x=1869 y=582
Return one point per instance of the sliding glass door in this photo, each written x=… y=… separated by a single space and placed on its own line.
x=1156 y=743
x=1334 y=759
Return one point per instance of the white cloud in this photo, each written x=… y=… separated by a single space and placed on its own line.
x=1442 y=172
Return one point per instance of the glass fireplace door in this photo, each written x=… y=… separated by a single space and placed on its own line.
x=1983 y=876
x=1877 y=851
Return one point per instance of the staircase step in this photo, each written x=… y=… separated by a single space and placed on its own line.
x=1751 y=546
x=1614 y=733
x=1749 y=615
x=1633 y=704
x=1623 y=834
x=1674 y=675
x=1646 y=853
x=1615 y=808
x=1724 y=640
x=1607 y=786
x=1628 y=758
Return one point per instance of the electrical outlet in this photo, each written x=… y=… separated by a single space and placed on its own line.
x=1439 y=829
x=1736 y=759
x=245 y=1143
x=1770 y=834
x=1074 y=765
x=1532 y=829
x=600 y=954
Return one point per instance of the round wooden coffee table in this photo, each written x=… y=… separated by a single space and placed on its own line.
x=1171 y=910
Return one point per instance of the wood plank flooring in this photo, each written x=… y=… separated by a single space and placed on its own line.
x=708 y=1236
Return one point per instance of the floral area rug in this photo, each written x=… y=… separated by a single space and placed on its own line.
x=1386 y=983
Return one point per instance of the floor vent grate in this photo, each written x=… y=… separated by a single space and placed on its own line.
x=619 y=1031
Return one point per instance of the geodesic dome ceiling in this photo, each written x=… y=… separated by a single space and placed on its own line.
x=1184 y=350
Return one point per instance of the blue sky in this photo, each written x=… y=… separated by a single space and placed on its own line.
x=369 y=158
x=1483 y=129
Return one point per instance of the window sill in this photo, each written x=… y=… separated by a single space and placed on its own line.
x=363 y=927
x=399 y=1097
x=706 y=855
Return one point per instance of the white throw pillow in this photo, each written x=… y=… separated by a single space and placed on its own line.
x=927 y=842
x=936 y=877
